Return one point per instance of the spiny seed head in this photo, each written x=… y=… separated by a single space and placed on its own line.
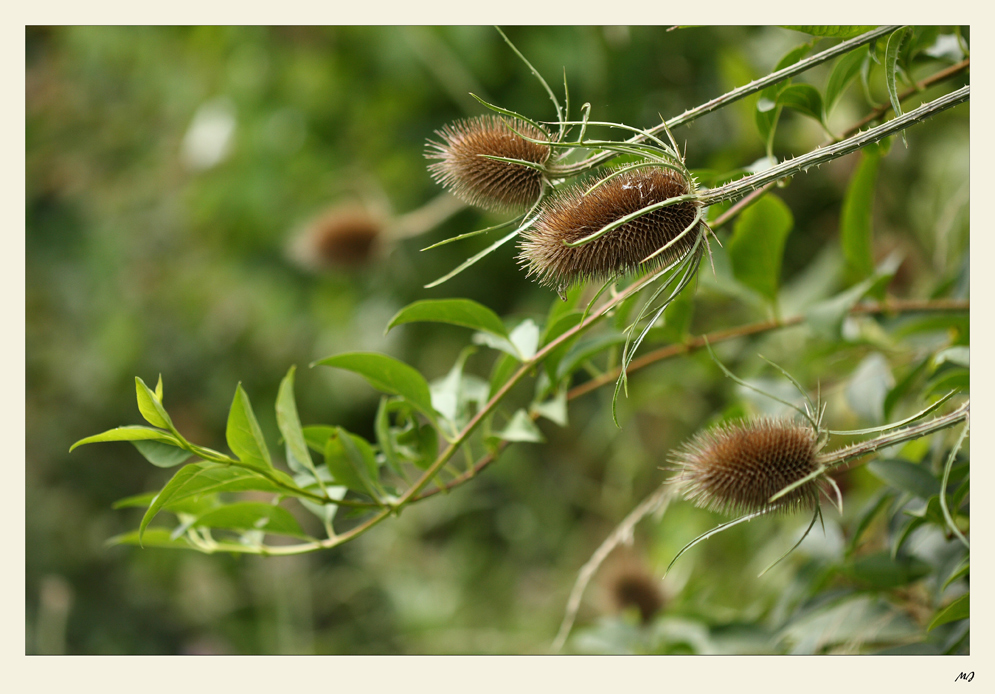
x=570 y=216
x=488 y=183
x=736 y=468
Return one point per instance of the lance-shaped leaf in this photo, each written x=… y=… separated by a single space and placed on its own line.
x=352 y=462
x=463 y=312
x=757 y=245
x=855 y=222
x=388 y=375
x=298 y=457
x=129 y=433
x=151 y=407
x=244 y=436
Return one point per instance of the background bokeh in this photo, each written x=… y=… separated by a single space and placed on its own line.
x=215 y=204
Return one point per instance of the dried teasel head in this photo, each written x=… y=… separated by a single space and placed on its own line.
x=464 y=169
x=737 y=468
x=571 y=216
x=343 y=236
x=633 y=586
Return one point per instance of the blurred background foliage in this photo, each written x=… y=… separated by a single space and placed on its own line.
x=215 y=204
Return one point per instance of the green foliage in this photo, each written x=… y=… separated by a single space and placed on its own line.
x=891 y=571
x=757 y=245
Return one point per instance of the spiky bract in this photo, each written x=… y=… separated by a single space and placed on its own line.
x=571 y=216
x=483 y=182
x=736 y=468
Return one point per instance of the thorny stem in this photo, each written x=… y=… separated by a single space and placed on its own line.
x=821 y=155
x=859 y=450
x=881 y=110
x=730 y=97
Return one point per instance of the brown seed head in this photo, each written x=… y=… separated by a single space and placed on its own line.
x=571 y=215
x=342 y=236
x=487 y=183
x=634 y=587
x=738 y=467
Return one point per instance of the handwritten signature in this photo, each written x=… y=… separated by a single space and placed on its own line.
x=967 y=676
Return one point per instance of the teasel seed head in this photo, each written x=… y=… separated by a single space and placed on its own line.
x=736 y=468
x=571 y=216
x=343 y=236
x=634 y=587
x=483 y=182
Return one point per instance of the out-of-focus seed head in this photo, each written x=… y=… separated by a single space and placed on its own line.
x=634 y=587
x=483 y=182
x=570 y=216
x=736 y=468
x=343 y=236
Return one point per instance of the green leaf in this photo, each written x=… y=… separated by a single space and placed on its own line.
x=891 y=53
x=563 y=324
x=150 y=406
x=243 y=434
x=186 y=474
x=832 y=32
x=351 y=461
x=875 y=506
x=956 y=378
x=503 y=368
x=129 y=433
x=959 y=572
x=803 y=98
x=162 y=454
x=326 y=512
x=899 y=391
x=158 y=389
x=826 y=317
x=844 y=71
x=521 y=428
x=905 y=476
x=881 y=572
x=155 y=537
x=388 y=375
x=384 y=433
x=554 y=409
x=252 y=515
x=136 y=501
x=316 y=435
x=868 y=387
x=960 y=355
x=587 y=349
x=463 y=312
x=298 y=457
x=757 y=245
x=957 y=610
x=525 y=337
x=856 y=219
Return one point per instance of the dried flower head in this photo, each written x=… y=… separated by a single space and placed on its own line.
x=342 y=236
x=736 y=468
x=483 y=182
x=634 y=587
x=572 y=215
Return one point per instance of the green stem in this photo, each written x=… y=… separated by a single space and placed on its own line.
x=734 y=95
x=817 y=157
